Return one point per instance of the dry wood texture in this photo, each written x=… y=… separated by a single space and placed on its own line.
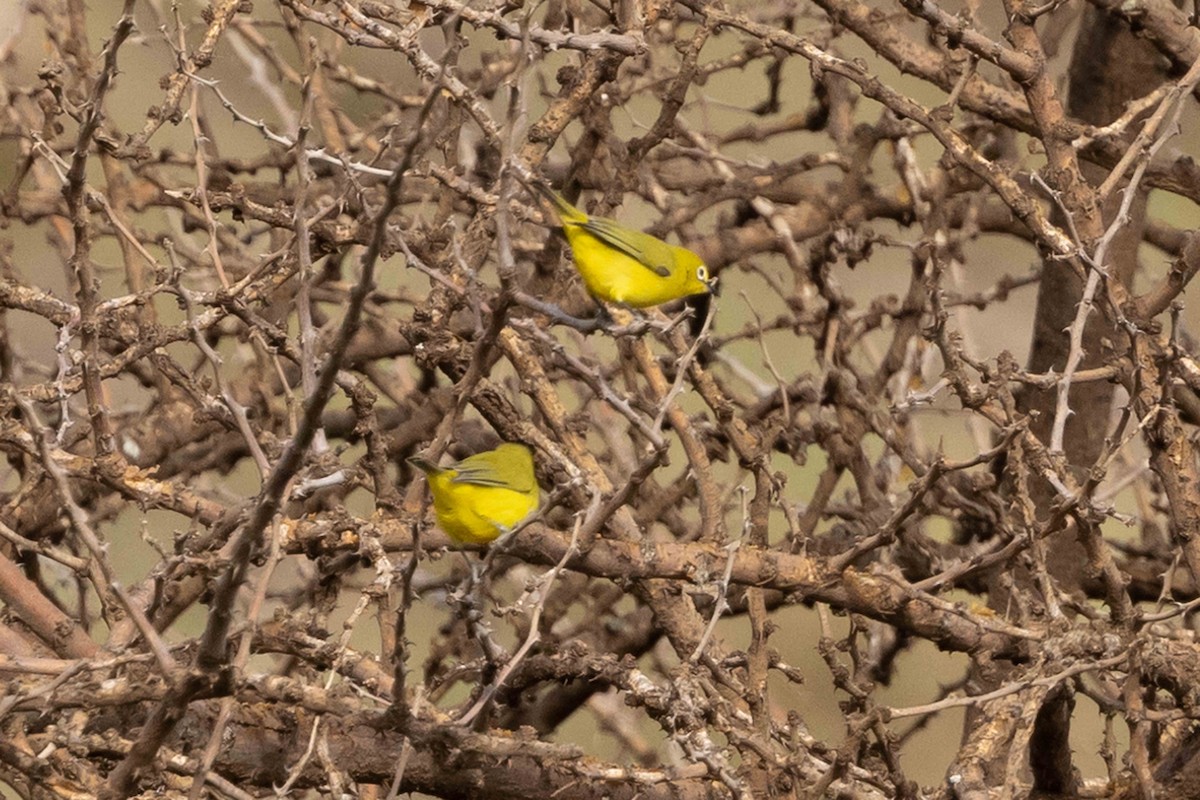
x=909 y=508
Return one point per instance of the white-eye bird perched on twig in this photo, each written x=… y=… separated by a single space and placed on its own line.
x=623 y=265
x=484 y=495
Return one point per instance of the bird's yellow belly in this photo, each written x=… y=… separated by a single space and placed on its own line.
x=478 y=514
x=615 y=277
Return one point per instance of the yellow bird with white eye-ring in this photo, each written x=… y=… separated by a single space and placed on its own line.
x=623 y=265
x=484 y=495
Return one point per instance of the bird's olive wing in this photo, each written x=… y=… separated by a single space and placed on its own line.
x=500 y=468
x=643 y=248
x=479 y=476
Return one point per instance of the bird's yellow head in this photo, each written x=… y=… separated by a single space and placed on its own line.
x=692 y=273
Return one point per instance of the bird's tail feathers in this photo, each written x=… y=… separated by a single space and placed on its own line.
x=566 y=212
x=425 y=465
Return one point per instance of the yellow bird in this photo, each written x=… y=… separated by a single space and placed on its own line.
x=483 y=495
x=623 y=265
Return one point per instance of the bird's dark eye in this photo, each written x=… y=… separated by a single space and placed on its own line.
x=702 y=273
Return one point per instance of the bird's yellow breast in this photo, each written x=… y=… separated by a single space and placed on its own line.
x=611 y=275
x=474 y=514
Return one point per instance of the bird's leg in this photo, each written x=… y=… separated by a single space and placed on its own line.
x=496 y=547
x=463 y=595
x=475 y=573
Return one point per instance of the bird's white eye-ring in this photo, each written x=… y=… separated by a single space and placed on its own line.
x=702 y=273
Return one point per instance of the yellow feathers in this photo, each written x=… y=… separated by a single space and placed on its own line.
x=484 y=495
x=623 y=265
